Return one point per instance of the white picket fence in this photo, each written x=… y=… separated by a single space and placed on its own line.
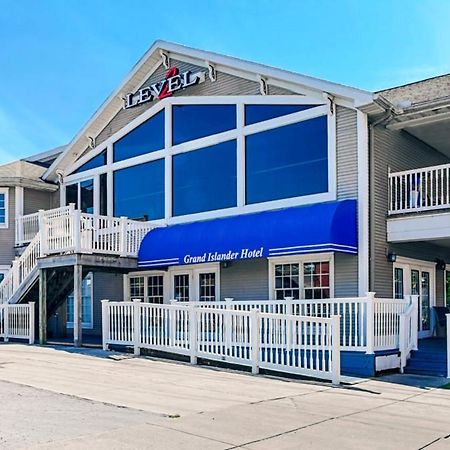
x=17 y=322
x=308 y=346
x=367 y=323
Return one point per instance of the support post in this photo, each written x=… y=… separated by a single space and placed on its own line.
x=77 y=304
x=228 y=324
x=336 y=350
x=6 y=322
x=42 y=306
x=76 y=230
x=255 y=337
x=402 y=341
x=31 y=316
x=105 y=324
x=15 y=275
x=370 y=329
x=43 y=233
x=193 y=333
x=137 y=326
x=448 y=345
x=123 y=237
x=289 y=311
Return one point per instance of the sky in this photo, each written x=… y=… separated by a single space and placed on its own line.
x=60 y=59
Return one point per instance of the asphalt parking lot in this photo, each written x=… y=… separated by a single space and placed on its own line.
x=62 y=398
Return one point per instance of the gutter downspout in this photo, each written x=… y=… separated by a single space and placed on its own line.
x=385 y=118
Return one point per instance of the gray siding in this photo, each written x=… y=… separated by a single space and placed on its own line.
x=398 y=151
x=35 y=200
x=345 y=275
x=7 y=235
x=224 y=85
x=245 y=280
x=347 y=153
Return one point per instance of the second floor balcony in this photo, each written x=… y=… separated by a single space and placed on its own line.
x=419 y=204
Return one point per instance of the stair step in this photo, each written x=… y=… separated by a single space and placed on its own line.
x=435 y=373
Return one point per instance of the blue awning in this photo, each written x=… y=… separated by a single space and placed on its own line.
x=315 y=228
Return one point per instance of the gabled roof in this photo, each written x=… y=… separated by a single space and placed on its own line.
x=147 y=64
x=26 y=174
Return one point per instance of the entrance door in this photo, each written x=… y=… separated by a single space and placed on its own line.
x=417 y=279
x=199 y=284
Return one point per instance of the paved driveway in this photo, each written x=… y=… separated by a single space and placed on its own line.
x=58 y=398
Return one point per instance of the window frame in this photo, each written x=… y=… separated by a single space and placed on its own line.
x=5 y=192
x=301 y=260
x=322 y=108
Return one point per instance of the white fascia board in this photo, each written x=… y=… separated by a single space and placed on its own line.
x=358 y=96
x=419 y=228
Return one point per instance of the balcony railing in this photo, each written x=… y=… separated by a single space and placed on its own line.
x=424 y=189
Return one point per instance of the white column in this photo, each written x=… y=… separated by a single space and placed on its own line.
x=370 y=329
x=255 y=339
x=363 y=202
x=336 y=349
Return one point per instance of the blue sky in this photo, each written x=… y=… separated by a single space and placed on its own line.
x=59 y=59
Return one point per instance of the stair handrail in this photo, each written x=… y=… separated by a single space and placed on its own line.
x=408 y=331
x=20 y=270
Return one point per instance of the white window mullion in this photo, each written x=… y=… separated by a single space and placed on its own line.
x=168 y=162
x=240 y=159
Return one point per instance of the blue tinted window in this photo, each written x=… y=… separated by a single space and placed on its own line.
x=259 y=113
x=146 y=138
x=197 y=121
x=139 y=191
x=287 y=162
x=96 y=161
x=205 y=179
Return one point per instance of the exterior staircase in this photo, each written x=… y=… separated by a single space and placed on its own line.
x=67 y=230
x=430 y=358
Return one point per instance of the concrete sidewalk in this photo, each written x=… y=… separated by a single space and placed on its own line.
x=60 y=398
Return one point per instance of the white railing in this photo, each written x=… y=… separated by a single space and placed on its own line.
x=21 y=269
x=28 y=226
x=89 y=233
x=68 y=230
x=422 y=189
x=17 y=322
x=367 y=323
x=308 y=346
x=408 y=331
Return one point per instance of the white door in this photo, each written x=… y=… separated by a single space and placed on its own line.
x=417 y=279
x=199 y=284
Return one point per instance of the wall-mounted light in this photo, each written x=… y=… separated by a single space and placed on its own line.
x=391 y=257
x=440 y=264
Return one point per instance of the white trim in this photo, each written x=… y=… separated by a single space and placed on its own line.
x=363 y=203
x=274 y=76
x=300 y=259
x=5 y=192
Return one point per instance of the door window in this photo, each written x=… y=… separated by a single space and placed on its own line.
x=207 y=287
x=398 y=283
x=425 y=301
x=181 y=287
x=155 y=289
